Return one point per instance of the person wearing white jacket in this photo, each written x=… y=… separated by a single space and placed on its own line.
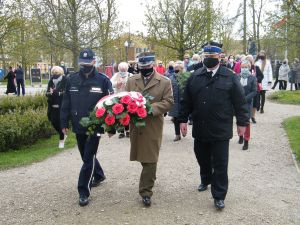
x=265 y=66
x=283 y=75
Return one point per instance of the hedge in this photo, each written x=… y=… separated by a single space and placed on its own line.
x=18 y=129
x=21 y=104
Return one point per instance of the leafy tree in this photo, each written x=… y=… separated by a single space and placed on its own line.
x=179 y=25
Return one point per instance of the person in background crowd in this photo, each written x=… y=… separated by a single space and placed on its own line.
x=230 y=62
x=265 y=66
x=11 y=87
x=62 y=65
x=237 y=65
x=276 y=73
x=118 y=82
x=83 y=91
x=187 y=62
x=292 y=75
x=283 y=75
x=223 y=61
x=249 y=84
x=197 y=63
x=146 y=141
x=20 y=79
x=259 y=77
x=131 y=67
x=296 y=69
x=211 y=95
x=174 y=113
x=55 y=91
x=170 y=70
x=160 y=68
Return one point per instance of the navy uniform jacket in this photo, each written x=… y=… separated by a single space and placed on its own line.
x=212 y=103
x=81 y=96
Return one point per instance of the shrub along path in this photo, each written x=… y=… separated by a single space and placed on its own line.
x=264 y=184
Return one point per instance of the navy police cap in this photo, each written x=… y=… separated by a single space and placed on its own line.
x=146 y=59
x=212 y=47
x=86 y=56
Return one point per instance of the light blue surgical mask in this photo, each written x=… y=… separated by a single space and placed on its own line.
x=123 y=74
x=245 y=72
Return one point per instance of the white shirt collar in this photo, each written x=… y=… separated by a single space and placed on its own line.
x=214 y=70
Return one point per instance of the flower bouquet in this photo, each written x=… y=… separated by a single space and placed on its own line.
x=114 y=112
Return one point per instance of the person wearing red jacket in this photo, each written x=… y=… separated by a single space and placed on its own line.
x=160 y=68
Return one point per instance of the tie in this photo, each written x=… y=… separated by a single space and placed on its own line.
x=209 y=74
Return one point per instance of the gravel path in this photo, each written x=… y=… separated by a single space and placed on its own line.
x=264 y=185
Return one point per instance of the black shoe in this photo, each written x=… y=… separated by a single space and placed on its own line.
x=147 y=201
x=262 y=111
x=83 y=200
x=202 y=187
x=253 y=120
x=96 y=183
x=245 y=147
x=219 y=204
x=241 y=140
x=122 y=135
x=127 y=134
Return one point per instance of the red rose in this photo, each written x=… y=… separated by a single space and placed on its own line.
x=109 y=120
x=132 y=107
x=100 y=112
x=117 y=108
x=142 y=113
x=126 y=99
x=125 y=120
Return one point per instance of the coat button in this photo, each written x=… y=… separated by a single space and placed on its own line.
x=204 y=102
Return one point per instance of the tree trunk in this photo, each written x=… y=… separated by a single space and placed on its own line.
x=253 y=19
x=209 y=20
x=245 y=29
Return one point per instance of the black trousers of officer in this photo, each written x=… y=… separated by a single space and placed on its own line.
x=212 y=158
x=91 y=168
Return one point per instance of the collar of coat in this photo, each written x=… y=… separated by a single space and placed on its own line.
x=223 y=71
x=155 y=80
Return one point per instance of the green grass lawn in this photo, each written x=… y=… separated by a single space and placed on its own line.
x=292 y=127
x=34 y=153
x=286 y=97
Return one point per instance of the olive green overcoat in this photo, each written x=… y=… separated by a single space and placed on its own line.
x=146 y=141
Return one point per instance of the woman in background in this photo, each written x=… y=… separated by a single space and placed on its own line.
x=265 y=66
x=118 y=82
x=249 y=84
x=55 y=92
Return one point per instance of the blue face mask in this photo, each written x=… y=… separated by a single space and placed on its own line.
x=245 y=72
x=123 y=74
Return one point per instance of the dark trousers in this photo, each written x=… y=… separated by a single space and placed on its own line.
x=263 y=99
x=212 y=158
x=88 y=146
x=20 y=82
x=296 y=86
x=55 y=121
x=275 y=84
x=147 y=179
x=282 y=85
x=177 y=126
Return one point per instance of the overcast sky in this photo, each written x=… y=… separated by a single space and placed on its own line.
x=132 y=11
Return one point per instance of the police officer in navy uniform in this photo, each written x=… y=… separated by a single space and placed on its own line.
x=212 y=95
x=83 y=90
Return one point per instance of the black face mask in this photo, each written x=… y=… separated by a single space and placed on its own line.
x=284 y=62
x=55 y=76
x=210 y=62
x=261 y=57
x=176 y=71
x=86 y=69
x=146 y=72
x=171 y=68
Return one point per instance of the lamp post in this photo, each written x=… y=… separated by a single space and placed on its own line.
x=126 y=44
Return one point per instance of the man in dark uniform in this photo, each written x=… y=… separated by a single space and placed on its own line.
x=212 y=95
x=83 y=90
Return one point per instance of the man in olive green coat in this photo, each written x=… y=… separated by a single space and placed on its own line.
x=146 y=141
